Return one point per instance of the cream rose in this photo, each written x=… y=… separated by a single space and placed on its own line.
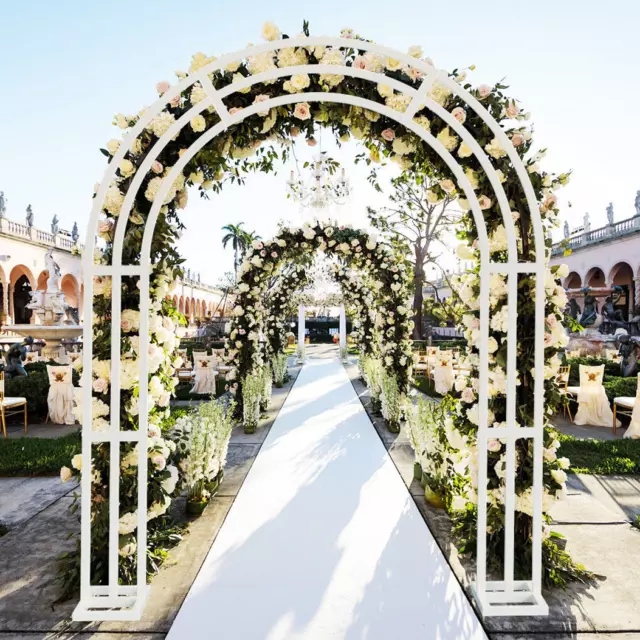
x=302 y=111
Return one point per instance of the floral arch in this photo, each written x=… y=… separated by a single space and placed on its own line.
x=203 y=131
x=356 y=249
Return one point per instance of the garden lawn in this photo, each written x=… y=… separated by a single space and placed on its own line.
x=426 y=386
x=602 y=457
x=37 y=456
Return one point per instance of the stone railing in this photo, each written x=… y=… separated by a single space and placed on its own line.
x=62 y=241
x=189 y=282
x=610 y=232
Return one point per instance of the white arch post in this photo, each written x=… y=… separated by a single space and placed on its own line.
x=343 y=329
x=301 y=331
x=503 y=597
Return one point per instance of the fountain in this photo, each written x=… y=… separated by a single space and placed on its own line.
x=50 y=308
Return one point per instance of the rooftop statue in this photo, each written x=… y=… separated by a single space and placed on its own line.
x=610 y=213
x=566 y=228
x=29 y=216
x=637 y=203
x=3 y=204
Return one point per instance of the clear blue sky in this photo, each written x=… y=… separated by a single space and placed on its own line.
x=68 y=66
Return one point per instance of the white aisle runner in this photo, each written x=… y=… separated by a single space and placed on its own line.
x=324 y=540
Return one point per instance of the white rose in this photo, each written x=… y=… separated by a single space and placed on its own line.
x=270 y=31
x=66 y=474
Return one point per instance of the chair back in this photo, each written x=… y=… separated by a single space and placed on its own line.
x=219 y=353
x=432 y=351
x=563 y=376
x=59 y=374
x=205 y=362
x=638 y=389
x=199 y=354
x=74 y=356
x=444 y=359
x=1 y=386
x=32 y=356
x=591 y=376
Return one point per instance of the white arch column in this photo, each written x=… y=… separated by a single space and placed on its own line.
x=343 y=328
x=301 y=326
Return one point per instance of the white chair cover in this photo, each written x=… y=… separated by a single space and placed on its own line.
x=32 y=356
x=61 y=396
x=593 y=404
x=443 y=374
x=205 y=378
x=634 y=426
x=198 y=354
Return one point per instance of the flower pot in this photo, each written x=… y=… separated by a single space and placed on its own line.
x=196 y=507
x=249 y=428
x=434 y=499
x=393 y=427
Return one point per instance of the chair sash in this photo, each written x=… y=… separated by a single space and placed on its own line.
x=205 y=375
x=61 y=395
x=593 y=404
x=634 y=426
x=443 y=374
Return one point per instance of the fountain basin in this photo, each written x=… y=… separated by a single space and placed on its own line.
x=52 y=335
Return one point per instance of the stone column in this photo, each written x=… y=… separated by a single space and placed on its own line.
x=12 y=315
x=343 y=328
x=5 y=301
x=636 y=292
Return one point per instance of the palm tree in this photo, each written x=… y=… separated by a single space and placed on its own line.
x=238 y=238
x=250 y=237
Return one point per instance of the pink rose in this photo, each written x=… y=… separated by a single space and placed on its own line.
x=274 y=254
x=360 y=62
x=517 y=139
x=260 y=245
x=484 y=90
x=312 y=142
x=174 y=102
x=459 y=114
x=468 y=396
x=157 y=167
x=484 y=202
x=263 y=253
x=261 y=98
x=105 y=229
x=100 y=385
x=512 y=109
x=126 y=325
x=494 y=445
x=388 y=135
x=234 y=110
x=159 y=461
x=302 y=111
x=162 y=87
x=295 y=131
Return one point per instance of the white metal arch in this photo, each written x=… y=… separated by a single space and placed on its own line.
x=507 y=596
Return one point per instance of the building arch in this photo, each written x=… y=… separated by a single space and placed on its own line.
x=595 y=278
x=573 y=280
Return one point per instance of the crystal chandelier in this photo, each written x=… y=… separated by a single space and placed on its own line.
x=321 y=190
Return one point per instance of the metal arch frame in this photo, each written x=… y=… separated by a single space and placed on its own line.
x=506 y=597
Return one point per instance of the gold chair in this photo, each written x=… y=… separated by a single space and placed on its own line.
x=10 y=406
x=562 y=379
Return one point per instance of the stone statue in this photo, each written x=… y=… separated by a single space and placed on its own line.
x=54 y=225
x=37 y=300
x=188 y=274
x=29 y=217
x=3 y=204
x=14 y=358
x=637 y=203
x=573 y=309
x=54 y=271
x=566 y=229
x=74 y=233
x=609 y=312
x=590 y=313
x=610 y=213
x=586 y=222
x=198 y=277
x=629 y=359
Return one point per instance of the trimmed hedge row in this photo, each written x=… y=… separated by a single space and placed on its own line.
x=604 y=457
x=34 y=387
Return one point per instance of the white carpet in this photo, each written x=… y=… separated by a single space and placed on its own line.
x=324 y=540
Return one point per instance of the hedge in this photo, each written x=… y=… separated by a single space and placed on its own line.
x=183 y=390
x=34 y=387
x=611 y=369
x=421 y=345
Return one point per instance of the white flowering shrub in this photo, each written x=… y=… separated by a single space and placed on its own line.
x=344 y=354
x=267 y=385
x=425 y=420
x=202 y=439
x=252 y=387
x=279 y=367
x=391 y=400
x=300 y=353
x=371 y=369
